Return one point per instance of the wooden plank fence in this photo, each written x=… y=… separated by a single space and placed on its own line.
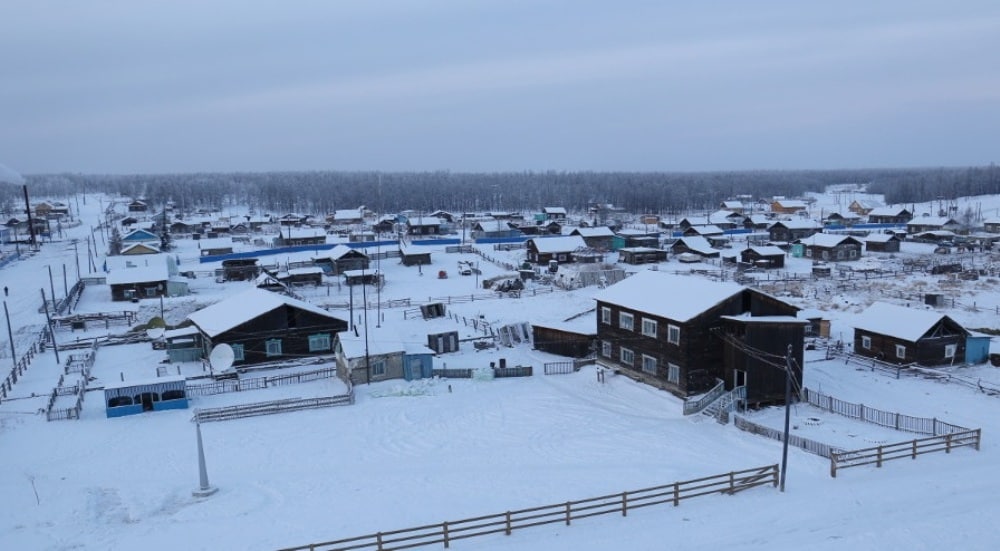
x=811 y=446
x=270 y=408
x=867 y=414
x=445 y=533
x=498 y=372
x=902 y=450
x=259 y=383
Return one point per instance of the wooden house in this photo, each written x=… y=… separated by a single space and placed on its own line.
x=446 y=216
x=767 y=256
x=139 y=282
x=414 y=255
x=378 y=354
x=889 y=215
x=901 y=335
x=882 y=242
x=184 y=227
x=862 y=207
x=826 y=246
x=363 y=277
x=756 y=222
x=308 y=275
x=565 y=339
x=641 y=255
x=423 y=225
x=992 y=225
x=346 y=217
x=790 y=230
x=139 y=248
x=598 y=238
x=922 y=224
x=138 y=206
x=628 y=237
x=541 y=250
x=708 y=231
x=788 y=206
x=297 y=237
x=240 y=269
x=665 y=329
x=385 y=225
x=841 y=219
x=493 y=228
x=140 y=236
x=262 y=326
x=696 y=245
x=217 y=246
x=557 y=214
x=733 y=206
x=341 y=259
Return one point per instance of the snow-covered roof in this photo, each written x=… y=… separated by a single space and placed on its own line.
x=339 y=251
x=181 y=332
x=303 y=233
x=939 y=221
x=230 y=312
x=698 y=244
x=566 y=243
x=674 y=297
x=768 y=250
x=732 y=204
x=407 y=249
x=901 y=322
x=216 y=243
x=597 y=231
x=423 y=221
x=554 y=210
x=147 y=381
x=880 y=237
x=791 y=203
x=138 y=246
x=826 y=240
x=380 y=341
x=799 y=224
x=144 y=274
x=706 y=229
x=347 y=214
x=747 y=318
x=888 y=211
x=639 y=250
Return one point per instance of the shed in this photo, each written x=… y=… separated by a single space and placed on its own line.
x=133 y=397
x=977 y=348
x=184 y=344
x=882 y=242
x=414 y=256
x=902 y=335
x=443 y=342
x=543 y=249
x=641 y=255
x=763 y=256
x=240 y=269
x=363 y=277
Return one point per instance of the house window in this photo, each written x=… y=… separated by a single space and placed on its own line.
x=606 y=315
x=378 y=368
x=319 y=342
x=606 y=349
x=627 y=357
x=866 y=343
x=649 y=327
x=272 y=347
x=809 y=253
x=625 y=321
x=673 y=373
x=950 y=350
x=900 y=351
x=853 y=253
x=826 y=255
x=673 y=334
x=237 y=352
x=649 y=364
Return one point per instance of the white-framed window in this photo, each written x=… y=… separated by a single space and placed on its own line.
x=900 y=351
x=866 y=343
x=237 y=352
x=649 y=364
x=606 y=315
x=606 y=349
x=673 y=334
x=626 y=321
x=649 y=327
x=853 y=253
x=809 y=252
x=272 y=347
x=673 y=373
x=319 y=342
x=950 y=350
x=627 y=357
x=378 y=368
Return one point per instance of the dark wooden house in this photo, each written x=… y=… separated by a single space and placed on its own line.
x=931 y=223
x=767 y=256
x=139 y=282
x=753 y=348
x=262 y=326
x=641 y=255
x=138 y=206
x=240 y=269
x=902 y=335
x=341 y=259
x=598 y=237
x=423 y=225
x=665 y=329
x=826 y=246
x=889 y=215
x=882 y=242
x=543 y=249
x=790 y=230
x=294 y=237
x=696 y=245
x=413 y=255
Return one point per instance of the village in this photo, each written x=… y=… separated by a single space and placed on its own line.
x=218 y=316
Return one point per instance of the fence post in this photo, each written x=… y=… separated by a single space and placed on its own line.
x=833 y=464
x=914 y=449
x=569 y=512
x=677 y=494
x=774 y=471
x=862 y=411
x=624 y=504
x=507 y=530
x=934 y=426
x=947 y=443
x=978 y=437
x=732 y=483
x=444 y=534
x=897 y=420
x=878 y=461
x=378 y=540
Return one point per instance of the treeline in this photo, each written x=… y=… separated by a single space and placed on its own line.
x=656 y=192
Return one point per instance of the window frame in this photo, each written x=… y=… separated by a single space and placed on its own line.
x=866 y=342
x=622 y=316
x=377 y=367
x=951 y=350
x=239 y=352
x=319 y=339
x=673 y=334
x=606 y=315
x=652 y=324
x=900 y=351
x=268 y=348
x=607 y=349
x=647 y=359
x=622 y=352
x=673 y=373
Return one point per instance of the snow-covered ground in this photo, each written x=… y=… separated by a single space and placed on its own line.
x=414 y=453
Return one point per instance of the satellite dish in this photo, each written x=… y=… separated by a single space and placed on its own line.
x=222 y=357
x=155 y=332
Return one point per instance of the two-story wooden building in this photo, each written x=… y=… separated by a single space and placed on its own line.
x=667 y=330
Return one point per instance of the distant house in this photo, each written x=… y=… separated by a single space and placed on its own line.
x=219 y=245
x=863 y=207
x=696 y=245
x=931 y=223
x=882 y=242
x=262 y=326
x=707 y=231
x=414 y=255
x=493 y=229
x=342 y=258
x=240 y=269
x=838 y=219
x=139 y=248
x=992 y=225
x=788 y=206
x=901 y=335
x=444 y=216
x=541 y=250
x=627 y=237
x=641 y=255
x=733 y=206
x=763 y=256
x=790 y=230
x=668 y=330
x=308 y=275
x=183 y=227
x=423 y=225
x=297 y=237
x=140 y=236
x=346 y=217
x=889 y=215
x=598 y=237
x=377 y=354
x=138 y=206
x=147 y=281
x=756 y=222
x=825 y=246
x=557 y=214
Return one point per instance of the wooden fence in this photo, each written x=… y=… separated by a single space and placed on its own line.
x=902 y=450
x=259 y=383
x=506 y=523
x=498 y=372
x=897 y=421
x=271 y=407
x=811 y=446
x=559 y=368
x=78 y=364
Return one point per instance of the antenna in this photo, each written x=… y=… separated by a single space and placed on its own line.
x=222 y=357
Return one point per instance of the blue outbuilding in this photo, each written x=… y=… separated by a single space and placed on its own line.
x=132 y=397
x=977 y=348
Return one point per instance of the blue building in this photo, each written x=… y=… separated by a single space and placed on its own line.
x=132 y=397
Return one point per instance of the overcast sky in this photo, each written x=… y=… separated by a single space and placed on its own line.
x=486 y=85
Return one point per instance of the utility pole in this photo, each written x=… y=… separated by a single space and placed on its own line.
x=52 y=333
x=788 y=413
x=10 y=333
